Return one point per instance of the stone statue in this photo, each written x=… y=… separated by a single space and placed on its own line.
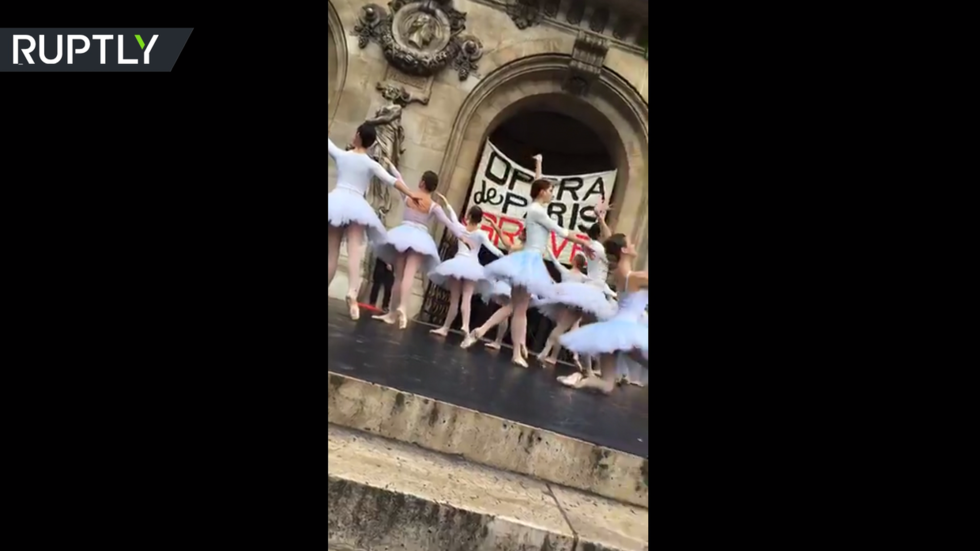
x=387 y=149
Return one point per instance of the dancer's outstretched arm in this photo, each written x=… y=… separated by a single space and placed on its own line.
x=394 y=179
x=538 y=160
x=454 y=228
x=485 y=241
x=451 y=213
x=566 y=274
x=507 y=242
x=541 y=217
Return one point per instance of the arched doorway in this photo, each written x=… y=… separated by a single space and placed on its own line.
x=614 y=110
x=336 y=61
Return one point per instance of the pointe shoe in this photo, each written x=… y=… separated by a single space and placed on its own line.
x=493 y=345
x=402 y=319
x=353 y=308
x=388 y=318
x=524 y=353
x=469 y=340
x=441 y=331
x=571 y=380
x=519 y=360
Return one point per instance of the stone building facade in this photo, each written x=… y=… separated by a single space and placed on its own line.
x=446 y=73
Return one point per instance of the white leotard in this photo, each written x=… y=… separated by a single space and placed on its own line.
x=354 y=170
x=539 y=227
x=477 y=237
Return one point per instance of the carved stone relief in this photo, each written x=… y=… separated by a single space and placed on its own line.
x=599 y=19
x=525 y=13
x=588 y=55
x=550 y=7
x=575 y=12
x=420 y=37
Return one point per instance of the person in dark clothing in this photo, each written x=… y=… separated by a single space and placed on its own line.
x=383 y=276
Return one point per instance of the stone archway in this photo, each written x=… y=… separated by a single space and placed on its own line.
x=614 y=110
x=336 y=61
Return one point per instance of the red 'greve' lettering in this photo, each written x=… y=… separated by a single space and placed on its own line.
x=513 y=226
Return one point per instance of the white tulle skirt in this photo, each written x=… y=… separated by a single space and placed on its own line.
x=461 y=267
x=493 y=291
x=345 y=206
x=608 y=337
x=586 y=298
x=522 y=269
x=409 y=236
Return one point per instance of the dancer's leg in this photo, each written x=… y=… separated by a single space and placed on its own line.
x=519 y=299
x=454 y=288
x=468 y=288
x=500 y=315
x=355 y=253
x=502 y=326
x=334 y=236
x=602 y=384
x=412 y=262
x=549 y=354
x=399 y=267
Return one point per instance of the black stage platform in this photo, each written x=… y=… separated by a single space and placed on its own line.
x=415 y=361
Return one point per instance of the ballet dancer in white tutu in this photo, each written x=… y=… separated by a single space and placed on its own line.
x=624 y=337
x=461 y=273
x=525 y=270
x=349 y=214
x=566 y=304
x=409 y=247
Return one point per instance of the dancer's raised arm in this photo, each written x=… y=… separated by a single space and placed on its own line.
x=601 y=209
x=538 y=159
x=332 y=149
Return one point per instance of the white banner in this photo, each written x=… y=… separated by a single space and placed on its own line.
x=502 y=188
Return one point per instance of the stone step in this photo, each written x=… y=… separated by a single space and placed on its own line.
x=487 y=439
x=387 y=495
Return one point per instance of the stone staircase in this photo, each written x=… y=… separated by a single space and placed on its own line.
x=408 y=472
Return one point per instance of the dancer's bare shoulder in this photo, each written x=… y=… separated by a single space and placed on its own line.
x=424 y=204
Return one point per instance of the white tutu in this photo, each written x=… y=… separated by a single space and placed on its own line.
x=582 y=296
x=522 y=269
x=607 y=337
x=460 y=267
x=489 y=290
x=346 y=206
x=409 y=236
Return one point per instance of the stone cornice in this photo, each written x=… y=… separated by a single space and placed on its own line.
x=534 y=12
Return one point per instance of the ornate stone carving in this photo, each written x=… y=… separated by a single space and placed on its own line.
x=469 y=53
x=575 y=12
x=419 y=37
x=599 y=19
x=588 y=55
x=550 y=8
x=524 y=13
x=623 y=27
x=367 y=23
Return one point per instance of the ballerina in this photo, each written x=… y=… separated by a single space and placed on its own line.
x=525 y=271
x=409 y=246
x=622 y=338
x=349 y=215
x=462 y=273
x=569 y=301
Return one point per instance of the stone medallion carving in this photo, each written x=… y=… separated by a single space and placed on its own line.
x=420 y=37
